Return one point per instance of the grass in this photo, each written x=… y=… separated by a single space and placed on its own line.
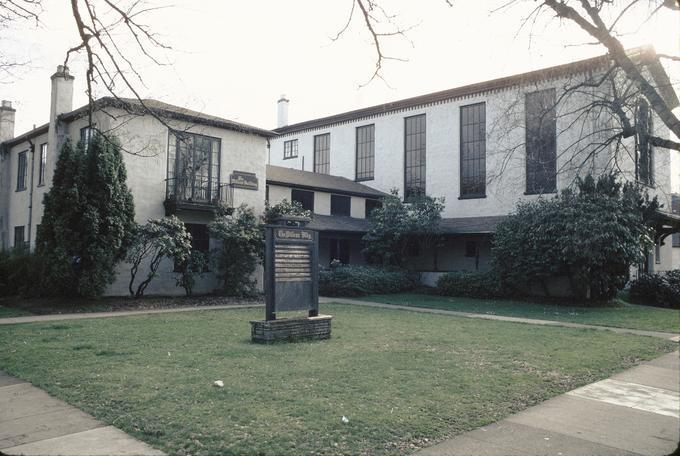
x=7 y=312
x=619 y=314
x=404 y=380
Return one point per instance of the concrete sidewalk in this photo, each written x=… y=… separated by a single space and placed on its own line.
x=530 y=321
x=34 y=423
x=118 y=313
x=633 y=413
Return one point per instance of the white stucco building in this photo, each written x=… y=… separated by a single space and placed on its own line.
x=178 y=162
x=484 y=147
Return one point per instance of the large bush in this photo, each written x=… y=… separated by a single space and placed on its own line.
x=88 y=219
x=470 y=284
x=241 y=247
x=397 y=227
x=591 y=235
x=349 y=280
x=20 y=273
x=662 y=290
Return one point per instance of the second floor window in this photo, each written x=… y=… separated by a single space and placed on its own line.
x=290 y=149
x=365 y=151
x=645 y=163
x=85 y=136
x=22 y=166
x=322 y=154
x=193 y=167
x=43 y=164
x=414 y=156
x=304 y=197
x=473 y=150
x=341 y=205
x=541 y=143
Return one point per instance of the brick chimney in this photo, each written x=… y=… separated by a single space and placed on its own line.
x=282 y=114
x=7 y=113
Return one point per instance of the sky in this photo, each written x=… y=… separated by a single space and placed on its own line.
x=234 y=59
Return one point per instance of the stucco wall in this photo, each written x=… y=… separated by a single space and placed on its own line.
x=145 y=142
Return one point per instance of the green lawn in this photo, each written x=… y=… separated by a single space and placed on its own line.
x=619 y=314
x=403 y=379
x=7 y=312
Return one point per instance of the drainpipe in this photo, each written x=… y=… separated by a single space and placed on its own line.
x=30 y=194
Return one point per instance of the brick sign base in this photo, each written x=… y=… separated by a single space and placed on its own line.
x=291 y=329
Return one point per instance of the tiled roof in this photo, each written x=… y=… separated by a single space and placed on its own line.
x=339 y=224
x=289 y=177
x=169 y=111
x=645 y=52
x=470 y=225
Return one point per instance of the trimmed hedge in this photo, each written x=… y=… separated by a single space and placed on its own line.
x=349 y=280
x=470 y=284
x=661 y=290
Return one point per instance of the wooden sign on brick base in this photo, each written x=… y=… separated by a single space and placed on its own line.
x=291 y=284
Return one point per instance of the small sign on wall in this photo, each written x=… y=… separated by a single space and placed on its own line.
x=242 y=179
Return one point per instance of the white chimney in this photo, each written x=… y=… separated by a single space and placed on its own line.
x=7 y=113
x=282 y=115
x=62 y=93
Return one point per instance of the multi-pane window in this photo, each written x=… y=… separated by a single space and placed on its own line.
x=43 y=163
x=365 y=150
x=19 y=237
x=341 y=205
x=290 y=149
x=322 y=153
x=304 y=197
x=86 y=136
x=541 y=131
x=371 y=204
x=22 y=166
x=643 y=121
x=193 y=167
x=473 y=150
x=414 y=156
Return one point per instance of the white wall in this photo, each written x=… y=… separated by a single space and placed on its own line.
x=322 y=201
x=145 y=140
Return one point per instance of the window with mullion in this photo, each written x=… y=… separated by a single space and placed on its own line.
x=43 y=163
x=290 y=149
x=22 y=166
x=473 y=151
x=365 y=152
x=193 y=167
x=322 y=153
x=414 y=156
x=541 y=142
x=643 y=120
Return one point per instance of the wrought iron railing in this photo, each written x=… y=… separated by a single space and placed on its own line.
x=197 y=191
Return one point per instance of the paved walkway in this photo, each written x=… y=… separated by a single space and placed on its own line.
x=633 y=413
x=118 y=313
x=531 y=321
x=34 y=423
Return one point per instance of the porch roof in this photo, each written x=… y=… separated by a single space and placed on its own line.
x=340 y=224
x=470 y=225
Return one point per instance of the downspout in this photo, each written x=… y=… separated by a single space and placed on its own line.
x=269 y=152
x=30 y=194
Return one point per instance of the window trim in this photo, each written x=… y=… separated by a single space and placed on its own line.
x=23 y=154
x=42 y=165
x=462 y=196
x=424 y=165
x=356 y=154
x=349 y=206
x=306 y=191
x=314 y=162
x=291 y=142
x=534 y=191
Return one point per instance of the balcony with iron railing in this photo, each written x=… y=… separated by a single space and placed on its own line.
x=197 y=194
